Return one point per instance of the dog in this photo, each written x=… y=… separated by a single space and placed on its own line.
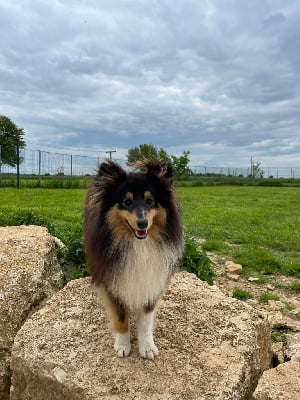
x=133 y=239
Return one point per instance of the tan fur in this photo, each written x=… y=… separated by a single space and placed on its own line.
x=118 y=221
x=117 y=325
x=158 y=221
x=147 y=195
x=129 y=196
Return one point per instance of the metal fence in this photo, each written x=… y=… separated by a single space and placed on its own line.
x=44 y=164
x=267 y=172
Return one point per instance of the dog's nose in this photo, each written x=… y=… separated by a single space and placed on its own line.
x=142 y=223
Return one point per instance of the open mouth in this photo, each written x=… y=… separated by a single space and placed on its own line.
x=141 y=234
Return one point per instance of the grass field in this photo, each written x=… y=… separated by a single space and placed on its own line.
x=258 y=227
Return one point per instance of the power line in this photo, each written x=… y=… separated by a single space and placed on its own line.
x=66 y=148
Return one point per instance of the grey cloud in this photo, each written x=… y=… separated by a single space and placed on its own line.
x=169 y=73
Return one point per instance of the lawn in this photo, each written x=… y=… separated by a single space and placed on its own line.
x=258 y=227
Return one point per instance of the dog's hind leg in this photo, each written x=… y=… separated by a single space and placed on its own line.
x=118 y=314
x=145 y=323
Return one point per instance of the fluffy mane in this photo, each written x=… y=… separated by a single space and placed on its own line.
x=104 y=254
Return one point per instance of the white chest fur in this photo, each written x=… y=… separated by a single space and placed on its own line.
x=145 y=272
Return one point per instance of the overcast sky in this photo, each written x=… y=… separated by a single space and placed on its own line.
x=220 y=78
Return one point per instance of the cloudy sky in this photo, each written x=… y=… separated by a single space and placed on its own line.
x=220 y=78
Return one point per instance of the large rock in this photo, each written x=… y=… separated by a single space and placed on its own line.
x=211 y=347
x=29 y=274
x=280 y=383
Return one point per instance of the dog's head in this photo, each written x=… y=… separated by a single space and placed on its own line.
x=135 y=203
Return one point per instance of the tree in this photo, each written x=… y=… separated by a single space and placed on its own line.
x=180 y=165
x=148 y=151
x=256 y=171
x=11 y=138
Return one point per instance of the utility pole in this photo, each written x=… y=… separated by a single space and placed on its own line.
x=110 y=151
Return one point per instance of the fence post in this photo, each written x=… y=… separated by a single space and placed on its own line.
x=40 y=161
x=0 y=165
x=71 y=166
x=18 y=164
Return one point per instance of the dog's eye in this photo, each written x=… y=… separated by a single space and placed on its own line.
x=150 y=201
x=127 y=202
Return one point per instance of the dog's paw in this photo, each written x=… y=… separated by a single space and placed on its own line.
x=148 y=350
x=122 y=344
x=122 y=350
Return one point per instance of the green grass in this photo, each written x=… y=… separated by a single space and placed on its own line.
x=265 y=297
x=294 y=287
x=255 y=226
x=60 y=210
x=241 y=294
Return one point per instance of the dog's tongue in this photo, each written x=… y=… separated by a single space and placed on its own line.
x=141 y=234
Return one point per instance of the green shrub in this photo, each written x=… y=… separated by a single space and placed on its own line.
x=195 y=261
x=25 y=217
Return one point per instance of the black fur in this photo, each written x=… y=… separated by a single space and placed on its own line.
x=104 y=256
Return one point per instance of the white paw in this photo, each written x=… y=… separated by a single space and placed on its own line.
x=122 y=344
x=148 y=350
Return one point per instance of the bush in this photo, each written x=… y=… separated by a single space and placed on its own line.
x=195 y=261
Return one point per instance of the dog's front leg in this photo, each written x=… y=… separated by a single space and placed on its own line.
x=145 y=322
x=118 y=314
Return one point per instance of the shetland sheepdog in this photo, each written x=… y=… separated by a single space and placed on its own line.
x=133 y=240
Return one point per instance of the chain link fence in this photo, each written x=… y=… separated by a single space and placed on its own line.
x=40 y=168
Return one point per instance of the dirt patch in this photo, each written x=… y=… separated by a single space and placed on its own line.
x=278 y=304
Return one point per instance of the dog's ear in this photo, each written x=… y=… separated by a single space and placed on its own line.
x=156 y=168
x=110 y=173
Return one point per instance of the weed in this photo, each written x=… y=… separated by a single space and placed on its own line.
x=294 y=287
x=265 y=297
x=278 y=334
x=241 y=294
x=195 y=261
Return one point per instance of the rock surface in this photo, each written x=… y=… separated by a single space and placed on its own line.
x=280 y=383
x=29 y=274
x=212 y=347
